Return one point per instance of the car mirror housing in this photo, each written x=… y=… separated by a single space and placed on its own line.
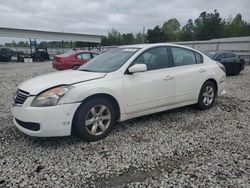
x=137 y=68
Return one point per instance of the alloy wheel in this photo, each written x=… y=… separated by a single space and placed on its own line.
x=208 y=95
x=98 y=120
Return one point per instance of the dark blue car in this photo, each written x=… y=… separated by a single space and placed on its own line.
x=233 y=63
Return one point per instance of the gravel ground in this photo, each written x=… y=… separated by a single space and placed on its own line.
x=185 y=147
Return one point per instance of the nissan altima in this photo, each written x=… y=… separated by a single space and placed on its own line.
x=120 y=84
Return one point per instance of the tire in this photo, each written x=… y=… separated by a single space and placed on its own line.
x=236 y=73
x=75 y=67
x=209 y=90
x=89 y=124
x=8 y=59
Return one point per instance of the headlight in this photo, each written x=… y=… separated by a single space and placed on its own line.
x=51 y=96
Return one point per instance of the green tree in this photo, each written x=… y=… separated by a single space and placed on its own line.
x=12 y=44
x=23 y=44
x=43 y=44
x=208 y=26
x=187 y=31
x=236 y=27
x=79 y=44
x=171 y=29
x=155 y=35
x=115 y=37
x=127 y=38
x=139 y=38
x=105 y=41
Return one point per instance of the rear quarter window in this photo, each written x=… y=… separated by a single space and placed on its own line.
x=79 y=56
x=199 y=58
x=220 y=56
x=229 y=55
x=182 y=56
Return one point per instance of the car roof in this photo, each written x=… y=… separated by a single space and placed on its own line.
x=217 y=51
x=86 y=51
x=145 y=46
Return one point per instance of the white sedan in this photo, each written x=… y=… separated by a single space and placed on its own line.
x=121 y=84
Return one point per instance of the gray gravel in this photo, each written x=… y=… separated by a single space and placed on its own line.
x=185 y=147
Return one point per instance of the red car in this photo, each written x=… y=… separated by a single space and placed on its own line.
x=72 y=59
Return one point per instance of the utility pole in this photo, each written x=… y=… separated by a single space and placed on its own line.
x=143 y=34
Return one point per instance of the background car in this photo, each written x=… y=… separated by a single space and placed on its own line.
x=5 y=54
x=233 y=63
x=72 y=59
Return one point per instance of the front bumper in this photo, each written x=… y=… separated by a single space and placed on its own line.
x=53 y=121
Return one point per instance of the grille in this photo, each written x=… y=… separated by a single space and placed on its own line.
x=20 y=97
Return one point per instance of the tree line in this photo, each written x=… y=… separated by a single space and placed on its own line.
x=207 y=26
x=45 y=44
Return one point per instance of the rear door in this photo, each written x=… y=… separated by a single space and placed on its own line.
x=230 y=58
x=83 y=57
x=78 y=59
x=232 y=63
x=189 y=72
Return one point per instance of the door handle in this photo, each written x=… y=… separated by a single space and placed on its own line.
x=168 y=77
x=202 y=70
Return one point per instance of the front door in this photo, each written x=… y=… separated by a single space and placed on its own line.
x=151 y=89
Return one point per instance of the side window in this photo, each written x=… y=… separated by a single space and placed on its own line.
x=86 y=56
x=220 y=56
x=79 y=56
x=155 y=58
x=183 y=56
x=199 y=58
x=233 y=55
x=229 y=55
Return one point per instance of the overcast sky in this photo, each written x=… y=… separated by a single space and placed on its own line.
x=99 y=16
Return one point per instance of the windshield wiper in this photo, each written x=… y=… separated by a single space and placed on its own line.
x=87 y=70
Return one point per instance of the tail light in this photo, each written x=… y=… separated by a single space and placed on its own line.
x=221 y=66
x=59 y=60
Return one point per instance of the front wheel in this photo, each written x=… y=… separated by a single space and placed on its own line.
x=75 y=67
x=207 y=95
x=94 y=119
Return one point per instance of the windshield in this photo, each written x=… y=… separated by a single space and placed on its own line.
x=109 y=61
x=211 y=54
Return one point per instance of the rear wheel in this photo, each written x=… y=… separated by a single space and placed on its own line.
x=94 y=119
x=236 y=73
x=8 y=59
x=207 y=95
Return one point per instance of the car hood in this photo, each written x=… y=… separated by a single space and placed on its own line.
x=40 y=83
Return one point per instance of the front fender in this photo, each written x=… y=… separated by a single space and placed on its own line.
x=83 y=91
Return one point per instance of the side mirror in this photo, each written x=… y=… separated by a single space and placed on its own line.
x=137 y=68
